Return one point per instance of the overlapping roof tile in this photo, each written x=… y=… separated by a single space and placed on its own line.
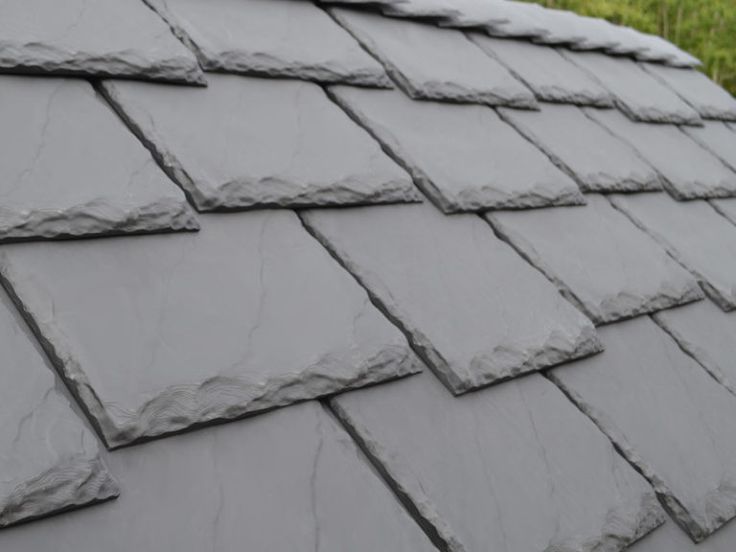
x=472 y=309
x=432 y=63
x=611 y=270
x=249 y=141
x=71 y=168
x=120 y=38
x=666 y=415
x=596 y=159
x=161 y=334
x=693 y=173
x=464 y=157
x=278 y=38
x=717 y=138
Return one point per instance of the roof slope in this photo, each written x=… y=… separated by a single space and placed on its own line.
x=401 y=275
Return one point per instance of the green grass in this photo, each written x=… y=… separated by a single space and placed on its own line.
x=705 y=28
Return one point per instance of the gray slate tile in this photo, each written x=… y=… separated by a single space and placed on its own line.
x=103 y=37
x=671 y=419
x=597 y=160
x=464 y=157
x=670 y=538
x=71 y=168
x=160 y=334
x=706 y=333
x=471 y=307
x=636 y=92
x=726 y=207
x=551 y=76
x=50 y=461
x=717 y=138
x=276 y=38
x=705 y=96
x=432 y=63
x=248 y=142
x=697 y=236
x=287 y=480
x=511 y=468
x=688 y=170
x=595 y=255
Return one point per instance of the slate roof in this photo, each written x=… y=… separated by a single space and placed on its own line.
x=349 y=275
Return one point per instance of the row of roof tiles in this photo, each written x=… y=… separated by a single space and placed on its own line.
x=173 y=355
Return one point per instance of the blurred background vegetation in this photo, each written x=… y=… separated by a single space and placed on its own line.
x=705 y=28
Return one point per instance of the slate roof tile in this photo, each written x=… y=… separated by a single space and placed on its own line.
x=50 y=461
x=545 y=71
x=693 y=173
x=671 y=538
x=607 y=267
x=287 y=480
x=667 y=416
x=636 y=92
x=726 y=207
x=501 y=469
x=104 y=37
x=199 y=323
x=249 y=142
x=472 y=309
x=278 y=38
x=71 y=168
x=432 y=63
x=464 y=157
x=706 y=97
x=709 y=253
x=597 y=160
x=717 y=138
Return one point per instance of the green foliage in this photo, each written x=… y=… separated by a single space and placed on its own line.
x=705 y=28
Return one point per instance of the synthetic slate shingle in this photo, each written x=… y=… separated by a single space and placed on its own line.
x=604 y=264
x=276 y=38
x=706 y=333
x=49 y=460
x=597 y=160
x=286 y=480
x=464 y=157
x=636 y=92
x=545 y=71
x=687 y=169
x=696 y=235
x=432 y=63
x=516 y=467
x=246 y=142
x=705 y=96
x=717 y=138
x=161 y=334
x=667 y=415
x=95 y=38
x=71 y=168
x=470 y=306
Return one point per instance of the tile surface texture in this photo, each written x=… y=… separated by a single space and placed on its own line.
x=697 y=236
x=433 y=63
x=473 y=309
x=551 y=76
x=49 y=460
x=706 y=333
x=84 y=37
x=670 y=418
x=599 y=161
x=160 y=334
x=287 y=480
x=463 y=156
x=717 y=138
x=277 y=38
x=248 y=142
x=705 y=96
x=71 y=168
x=692 y=173
x=597 y=257
x=637 y=93
x=511 y=468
